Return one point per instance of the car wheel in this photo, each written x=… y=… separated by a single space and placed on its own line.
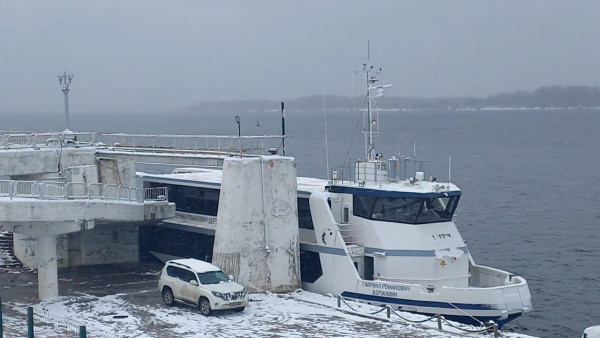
x=239 y=309
x=167 y=296
x=204 y=306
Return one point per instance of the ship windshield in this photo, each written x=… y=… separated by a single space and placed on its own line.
x=406 y=210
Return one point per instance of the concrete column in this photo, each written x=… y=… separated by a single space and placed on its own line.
x=47 y=267
x=256 y=238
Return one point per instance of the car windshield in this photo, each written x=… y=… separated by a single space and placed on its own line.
x=213 y=277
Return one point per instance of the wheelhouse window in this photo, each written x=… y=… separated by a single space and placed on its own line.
x=406 y=210
x=304 y=215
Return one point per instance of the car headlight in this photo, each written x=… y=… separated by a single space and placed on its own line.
x=218 y=294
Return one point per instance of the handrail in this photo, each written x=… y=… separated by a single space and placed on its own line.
x=47 y=190
x=144 y=143
x=491 y=326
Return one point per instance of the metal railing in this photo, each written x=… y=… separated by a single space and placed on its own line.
x=42 y=323
x=74 y=191
x=389 y=311
x=145 y=143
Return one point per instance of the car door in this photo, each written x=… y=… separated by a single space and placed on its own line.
x=175 y=280
x=189 y=291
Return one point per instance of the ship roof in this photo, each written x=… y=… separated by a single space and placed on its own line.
x=213 y=177
x=308 y=185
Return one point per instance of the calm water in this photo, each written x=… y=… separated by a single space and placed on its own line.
x=530 y=182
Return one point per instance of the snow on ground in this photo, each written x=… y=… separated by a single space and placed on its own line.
x=123 y=301
x=299 y=314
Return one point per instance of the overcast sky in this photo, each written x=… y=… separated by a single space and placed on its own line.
x=152 y=55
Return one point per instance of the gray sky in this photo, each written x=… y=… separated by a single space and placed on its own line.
x=147 y=55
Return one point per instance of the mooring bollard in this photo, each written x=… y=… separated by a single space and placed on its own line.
x=339 y=300
x=388 y=311
x=496 y=330
x=30 y=322
x=82 y=331
x=439 y=320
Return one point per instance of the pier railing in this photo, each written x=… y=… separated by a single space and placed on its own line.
x=146 y=143
x=35 y=322
x=390 y=313
x=74 y=190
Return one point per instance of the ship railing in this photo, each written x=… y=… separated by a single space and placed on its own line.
x=373 y=172
x=48 y=190
x=156 y=194
x=352 y=233
x=485 y=277
x=337 y=175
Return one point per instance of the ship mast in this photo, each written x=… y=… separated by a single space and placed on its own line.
x=372 y=76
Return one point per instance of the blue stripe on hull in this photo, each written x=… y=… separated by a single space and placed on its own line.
x=322 y=249
x=408 y=253
x=411 y=302
x=368 y=250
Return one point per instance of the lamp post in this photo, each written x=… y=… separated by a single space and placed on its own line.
x=237 y=120
x=65 y=85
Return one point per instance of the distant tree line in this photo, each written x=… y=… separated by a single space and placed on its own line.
x=544 y=97
x=552 y=96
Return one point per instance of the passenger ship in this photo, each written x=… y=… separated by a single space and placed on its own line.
x=378 y=238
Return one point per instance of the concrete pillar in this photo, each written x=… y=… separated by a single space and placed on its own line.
x=256 y=237
x=47 y=267
x=281 y=216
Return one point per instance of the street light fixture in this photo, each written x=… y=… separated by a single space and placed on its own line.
x=65 y=85
x=237 y=119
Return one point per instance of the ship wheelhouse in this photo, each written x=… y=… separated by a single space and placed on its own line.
x=400 y=206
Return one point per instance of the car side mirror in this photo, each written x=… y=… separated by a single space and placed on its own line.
x=194 y=282
x=230 y=277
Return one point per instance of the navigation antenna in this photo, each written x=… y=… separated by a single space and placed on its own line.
x=372 y=76
x=65 y=84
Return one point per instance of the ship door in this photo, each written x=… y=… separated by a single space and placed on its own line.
x=368 y=268
x=359 y=265
x=345 y=214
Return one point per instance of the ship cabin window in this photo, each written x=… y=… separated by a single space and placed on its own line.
x=406 y=210
x=304 y=215
x=196 y=200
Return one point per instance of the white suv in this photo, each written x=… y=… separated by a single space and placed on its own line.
x=202 y=284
